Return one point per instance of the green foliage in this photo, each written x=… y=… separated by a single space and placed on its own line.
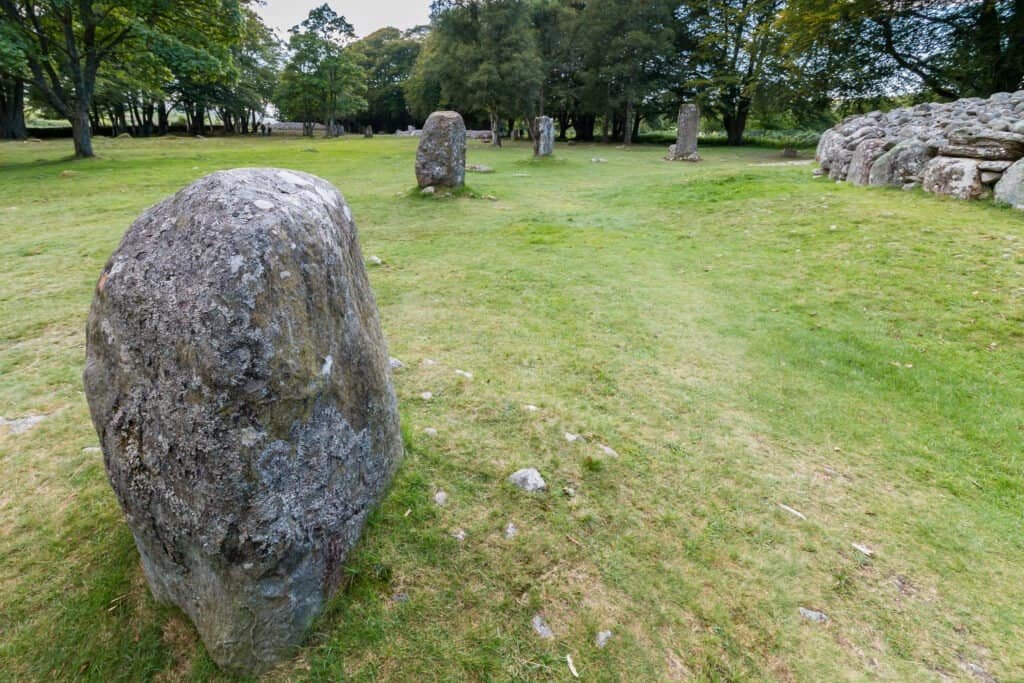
x=387 y=56
x=322 y=80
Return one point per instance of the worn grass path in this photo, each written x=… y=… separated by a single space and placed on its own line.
x=742 y=335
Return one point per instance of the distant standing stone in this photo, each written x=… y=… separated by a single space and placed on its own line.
x=544 y=141
x=238 y=380
x=528 y=480
x=368 y=132
x=685 y=148
x=441 y=156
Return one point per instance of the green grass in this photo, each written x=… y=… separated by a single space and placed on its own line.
x=742 y=335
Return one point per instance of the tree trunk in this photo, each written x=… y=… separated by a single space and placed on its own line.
x=627 y=125
x=636 y=125
x=584 y=125
x=735 y=123
x=495 y=129
x=80 y=131
x=563 y=125
x=12 y=110
x=162 y=118
x=147 y=119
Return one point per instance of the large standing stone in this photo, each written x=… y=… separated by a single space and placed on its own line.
x=544 y=137
x=685 y=148
x=1010 y=188
x=238 y=380
x=441 y=156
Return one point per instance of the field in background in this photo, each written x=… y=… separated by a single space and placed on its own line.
x=743 y=336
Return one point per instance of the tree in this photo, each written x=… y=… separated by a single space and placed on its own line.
x=387 y=56
x=13 y=71
x=65 y=43
x=484 y=55
x=736 y=48
x=321 y=80
x=950 y=49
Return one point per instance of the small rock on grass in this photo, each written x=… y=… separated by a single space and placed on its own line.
x=463 y=373
x=19 y=425
x=530 y=408
x=396 y=364
x=573 y=438
x=511 y=530
x=441 y=498
x=528 y=480
x=459 y=535
x=428 y=362
x=598 y=160
x=541 y=628
x=430 y=431
x=608 y=450
x=479 y=168
x=863 y=549
x=813 y=615
x=427 y=395
x=375 y=260
x=602 y=638
x=428 y=190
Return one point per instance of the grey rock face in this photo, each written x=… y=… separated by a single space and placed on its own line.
x=238 y=380
x=544 y=141
x=900 y=165
x=864 y=158
x=1010 y=188
x=441 y=155
x=985 y=134
x=528 y=480
x=688 y=123
x=959 y=178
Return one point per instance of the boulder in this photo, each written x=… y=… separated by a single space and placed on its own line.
x=544 y=139
x=864 y=158
x=238 y=380
x=441 y=155
x=900 y=165
x=688 y=125
x=955 y=177
x=1010 y=188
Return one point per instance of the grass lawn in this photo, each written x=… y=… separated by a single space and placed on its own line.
x=742 y=335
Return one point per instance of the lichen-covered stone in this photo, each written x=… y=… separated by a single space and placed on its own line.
x=900 y=165
x=864 y=157
x=238 y=379
x=954 y=177
x=688 y=125
x=441 y=155
x=544 y=141
x=1010 y=188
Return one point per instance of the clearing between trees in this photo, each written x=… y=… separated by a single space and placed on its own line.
x=780 y=421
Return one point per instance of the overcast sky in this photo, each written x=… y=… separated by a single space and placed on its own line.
x=365 y=16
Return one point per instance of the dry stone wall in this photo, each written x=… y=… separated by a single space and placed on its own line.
x=968 y=149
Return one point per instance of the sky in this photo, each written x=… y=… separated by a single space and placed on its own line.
x=365 y=16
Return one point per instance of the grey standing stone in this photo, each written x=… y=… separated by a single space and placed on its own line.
x=685 y=148
x=1010 y=188
x=441 y=155
x=544 y=140
x=238 y=380
x=368 y=132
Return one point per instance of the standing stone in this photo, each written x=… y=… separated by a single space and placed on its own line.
x=441 y=156
x=544 y=138
x=368 y=132
x=238 y=380
x=685 y=148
